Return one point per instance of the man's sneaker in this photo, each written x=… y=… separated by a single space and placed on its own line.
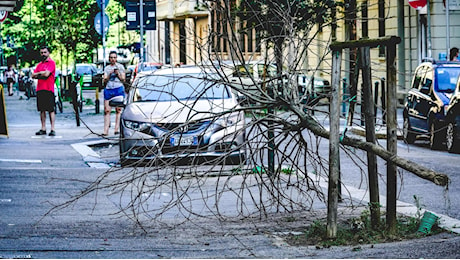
x=52 y=133
x=41 y=132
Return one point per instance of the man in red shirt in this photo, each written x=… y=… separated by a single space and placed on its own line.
x=45 y=72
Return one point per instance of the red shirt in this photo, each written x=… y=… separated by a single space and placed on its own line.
x=46 y=84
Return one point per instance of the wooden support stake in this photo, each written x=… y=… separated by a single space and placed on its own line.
x=334 y=142
x=392 y=126
x=369 y=113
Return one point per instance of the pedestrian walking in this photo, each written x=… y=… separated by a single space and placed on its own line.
x=45 y=73
x=10 y=76
x=114 y=78
x=453 y=54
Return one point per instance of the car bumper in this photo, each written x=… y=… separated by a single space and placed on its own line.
x=141 y=146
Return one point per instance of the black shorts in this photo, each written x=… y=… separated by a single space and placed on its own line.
x=9 y=81
x=45 y=100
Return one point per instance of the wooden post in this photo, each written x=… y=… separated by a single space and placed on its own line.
x=368 y=110
x=334 y=142
x=392 y=125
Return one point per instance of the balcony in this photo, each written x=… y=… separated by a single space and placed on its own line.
x=180 y=9
x=8 y=5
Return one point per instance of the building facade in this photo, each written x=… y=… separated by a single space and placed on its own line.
x=196 y=31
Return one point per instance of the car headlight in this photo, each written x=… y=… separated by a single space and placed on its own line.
x=226 y=121
x=137 y=126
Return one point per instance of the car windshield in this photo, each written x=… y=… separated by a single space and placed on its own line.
x=86 y=70
x=446 y=78
x=179 y=87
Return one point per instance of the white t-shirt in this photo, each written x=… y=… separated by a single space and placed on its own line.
x=114 y=81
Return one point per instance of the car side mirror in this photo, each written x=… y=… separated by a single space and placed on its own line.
x=117 y=102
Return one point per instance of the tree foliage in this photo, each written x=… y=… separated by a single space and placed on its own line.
x=65 y=25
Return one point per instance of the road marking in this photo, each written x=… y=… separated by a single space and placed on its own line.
x=84 y=150
x=91 y=158
x=45 y=137
x=98 y=165
x=21 y=160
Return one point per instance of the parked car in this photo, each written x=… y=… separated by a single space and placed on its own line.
x=90 y=70
x=129 y=72
x=23 y=74
x=30 y=84
x=181 y=113
x=145 y=66
x=453 y=121
x=313 y=89
x=424 y=112
x=2 y=74
x=251 y=79
x=85 y=76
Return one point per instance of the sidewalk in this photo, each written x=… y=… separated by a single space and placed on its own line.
x=23 y=119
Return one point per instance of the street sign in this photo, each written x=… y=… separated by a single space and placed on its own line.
x=3 y=15
x=133 y=16
x=101 y=17
x=99 y=3
x=417 y=4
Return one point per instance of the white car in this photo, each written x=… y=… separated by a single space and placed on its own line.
x=181 y=113
x=312 y=90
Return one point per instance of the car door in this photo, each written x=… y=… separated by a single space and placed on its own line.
x=423 y=100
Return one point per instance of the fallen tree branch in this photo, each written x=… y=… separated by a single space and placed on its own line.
x=310 y=123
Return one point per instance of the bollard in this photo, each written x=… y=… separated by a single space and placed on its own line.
x=345 y=97
x=383 y=101
x=376 y=99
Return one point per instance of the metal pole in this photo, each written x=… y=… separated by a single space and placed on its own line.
x=402 y=45
x=447 y=30
x=141 y=24
x=103 y=34
x=428 y=31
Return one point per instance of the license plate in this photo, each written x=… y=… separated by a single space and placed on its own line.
x=183 y=141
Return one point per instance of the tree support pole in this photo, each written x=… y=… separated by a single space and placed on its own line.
x=334 y=145
x=369 y=112
x=392 y=125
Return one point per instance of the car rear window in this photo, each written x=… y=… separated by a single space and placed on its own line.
x=179 y=87
x=446 y=78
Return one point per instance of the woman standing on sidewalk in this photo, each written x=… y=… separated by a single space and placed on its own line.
x=114 y=76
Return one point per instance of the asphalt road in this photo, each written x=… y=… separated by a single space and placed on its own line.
x=37 y=173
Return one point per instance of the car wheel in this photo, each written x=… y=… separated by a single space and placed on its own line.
x=435 y=136
x=409 y=135
x=452 y=141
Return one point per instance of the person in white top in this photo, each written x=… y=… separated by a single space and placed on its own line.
x=10 y=76
x=114 y=77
